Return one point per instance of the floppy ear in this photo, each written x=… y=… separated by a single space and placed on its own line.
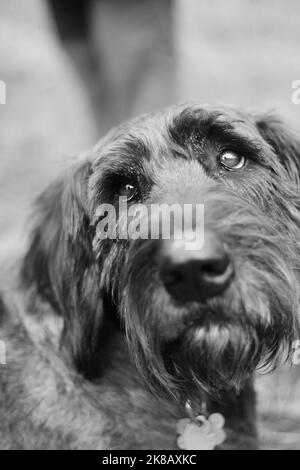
x=61 y=265
x=285 y=143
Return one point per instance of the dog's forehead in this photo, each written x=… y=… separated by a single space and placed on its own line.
x=156 y=130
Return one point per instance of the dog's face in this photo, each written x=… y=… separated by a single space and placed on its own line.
x=200 y=319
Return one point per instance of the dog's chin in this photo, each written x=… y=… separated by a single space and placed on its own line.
x=212 y=350
x=213 y=358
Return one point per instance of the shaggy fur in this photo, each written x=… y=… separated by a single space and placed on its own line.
x=99 y=354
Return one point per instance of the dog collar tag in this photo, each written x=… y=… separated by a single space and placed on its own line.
x=201 y=433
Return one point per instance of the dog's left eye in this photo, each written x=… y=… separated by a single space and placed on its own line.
x=232 y=160
x=127 y=191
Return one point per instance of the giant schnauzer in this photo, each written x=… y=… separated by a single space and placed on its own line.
x=111 y=340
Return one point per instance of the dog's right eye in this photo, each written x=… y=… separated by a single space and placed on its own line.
x=232 y=160
x=127 y=191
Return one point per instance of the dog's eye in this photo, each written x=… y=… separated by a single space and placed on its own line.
x=232 y=161
x=127 y=191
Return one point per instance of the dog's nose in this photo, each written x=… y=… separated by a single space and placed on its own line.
x=198 y=274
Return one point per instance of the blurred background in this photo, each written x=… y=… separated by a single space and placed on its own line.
x=74 y=68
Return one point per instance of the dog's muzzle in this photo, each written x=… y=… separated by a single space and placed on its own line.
x=198 y=274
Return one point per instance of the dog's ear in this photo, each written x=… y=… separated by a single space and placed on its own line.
x=60 y=264
x=284 y=142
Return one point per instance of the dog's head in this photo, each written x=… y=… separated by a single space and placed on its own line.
x=197 y=318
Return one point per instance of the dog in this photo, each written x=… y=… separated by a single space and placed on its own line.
x=111 y=341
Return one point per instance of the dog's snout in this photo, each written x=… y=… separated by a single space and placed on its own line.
x=197 y=274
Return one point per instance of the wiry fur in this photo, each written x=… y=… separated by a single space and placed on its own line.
x=126 y=350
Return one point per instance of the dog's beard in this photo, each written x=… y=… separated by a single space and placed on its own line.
x=212 y=357
x=214 y=347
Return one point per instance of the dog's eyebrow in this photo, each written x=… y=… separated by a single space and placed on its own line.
x=131 y=146
x=195 y=130
x=123 y=150
x=229 y=136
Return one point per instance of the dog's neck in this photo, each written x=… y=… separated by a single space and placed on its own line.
x=117 y=403
x=116 y=394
